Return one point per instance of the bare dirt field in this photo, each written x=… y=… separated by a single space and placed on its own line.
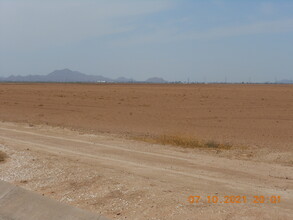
x=75 y=143
x=242 y=114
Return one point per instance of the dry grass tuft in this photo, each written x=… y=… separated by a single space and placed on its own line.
x=3 y=156
x=184 y=141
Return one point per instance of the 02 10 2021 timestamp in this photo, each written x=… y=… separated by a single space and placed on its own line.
x=235 y=199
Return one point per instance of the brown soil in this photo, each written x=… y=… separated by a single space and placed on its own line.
x=3 y=156
x=98 y=169
x=246 y=115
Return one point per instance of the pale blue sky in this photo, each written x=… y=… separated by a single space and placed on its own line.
x=174 y=39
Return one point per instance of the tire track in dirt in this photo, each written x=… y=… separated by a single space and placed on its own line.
x=203 y=176
x=193 y=172
x=65 y=152
x=194 y=159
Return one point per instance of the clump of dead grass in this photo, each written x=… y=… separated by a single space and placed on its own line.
x=3 y=156
x=184 y=141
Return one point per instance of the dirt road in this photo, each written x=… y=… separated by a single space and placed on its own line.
x=126 y=179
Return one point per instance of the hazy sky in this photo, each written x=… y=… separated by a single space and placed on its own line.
x=175 y=39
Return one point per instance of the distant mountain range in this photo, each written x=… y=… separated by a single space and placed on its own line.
x=67 y=75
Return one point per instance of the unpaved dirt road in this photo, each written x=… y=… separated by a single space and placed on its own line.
x=124 y=179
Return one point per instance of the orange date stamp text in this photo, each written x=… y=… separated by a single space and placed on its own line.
x=235 y=199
